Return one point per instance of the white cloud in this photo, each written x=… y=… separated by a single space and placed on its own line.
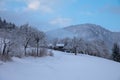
x=34 y=5
x=61 y=21
x=38 y=5
x=42 y=6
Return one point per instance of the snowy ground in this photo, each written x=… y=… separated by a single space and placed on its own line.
x=60 y=67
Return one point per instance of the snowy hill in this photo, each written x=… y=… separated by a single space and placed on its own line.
x=62 y=66
x=88 y=32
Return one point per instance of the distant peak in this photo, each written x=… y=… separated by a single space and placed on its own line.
x=86 y=26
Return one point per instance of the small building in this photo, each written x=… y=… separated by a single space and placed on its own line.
x=60 y=45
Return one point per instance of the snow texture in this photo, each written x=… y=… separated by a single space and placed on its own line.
x=63 y=66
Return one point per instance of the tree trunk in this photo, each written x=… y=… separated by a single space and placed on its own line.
x=25 y=47
x=75 y=51
x=37 y=48
x=25 y=51
x=4 y=48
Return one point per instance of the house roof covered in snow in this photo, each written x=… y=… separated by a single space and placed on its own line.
x=59 y=44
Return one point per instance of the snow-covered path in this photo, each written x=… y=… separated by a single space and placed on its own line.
x=60 y=67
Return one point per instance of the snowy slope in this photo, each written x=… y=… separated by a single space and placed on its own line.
x=62 y=66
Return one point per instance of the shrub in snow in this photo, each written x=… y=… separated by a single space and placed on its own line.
x=5 y=58
x=32 y=53
x=50 y=53
x=42 y=52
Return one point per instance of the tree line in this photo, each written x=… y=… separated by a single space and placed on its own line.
x=95 y=48
x=78 y=45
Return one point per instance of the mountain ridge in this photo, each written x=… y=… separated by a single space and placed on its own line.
x=74 y=30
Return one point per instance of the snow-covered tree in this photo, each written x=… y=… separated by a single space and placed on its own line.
x=26 y=35
x=74 y=45
x=38 y=36
x=100 y=48
x=8 y=43
x=5 y=35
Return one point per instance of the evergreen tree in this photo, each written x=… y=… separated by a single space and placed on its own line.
x=4 y=21
x=116 y=52
x=0 y=19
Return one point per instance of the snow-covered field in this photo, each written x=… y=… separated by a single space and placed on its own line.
x=63 y=66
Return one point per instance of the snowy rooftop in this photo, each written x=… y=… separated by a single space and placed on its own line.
x=59 y=45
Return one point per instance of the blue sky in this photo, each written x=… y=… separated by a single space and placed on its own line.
x=53 y=14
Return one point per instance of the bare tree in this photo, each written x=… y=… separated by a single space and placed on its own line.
x=74 y=45
x=26 y=35
x=4 y=40
x=78 y=45
x=38 y=36
x=7 y=43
